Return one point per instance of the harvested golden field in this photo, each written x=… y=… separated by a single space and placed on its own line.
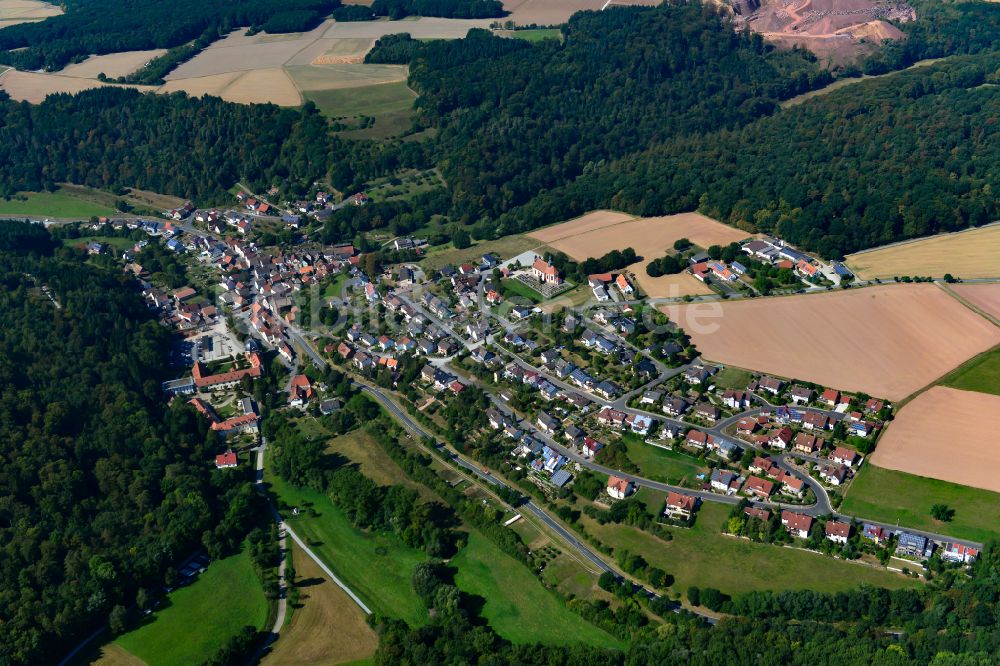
x=112 y=65
x=547 y=12
x=239 y=53
x=13 y=12
x=343 y=51
x=35 y=86
x=946 y=434
x=598 y=233
x=965 y=254
x=668 y=286
x=592 y=221
x=114 y=655
x=327 y=628
x=986 y=297
x=263 y=85
x=887 y=341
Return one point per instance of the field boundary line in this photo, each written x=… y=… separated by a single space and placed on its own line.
x=322 y=565
x=958 y=297
x=909 y=241
x=555 y=224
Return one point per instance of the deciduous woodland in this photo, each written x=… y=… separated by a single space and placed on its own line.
x=674 y=118
x=102 y=487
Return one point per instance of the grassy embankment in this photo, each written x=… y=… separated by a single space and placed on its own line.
x=702 y=556
x=515 y=603
x=326 y=627
x=897 y=497
x=194 y=621
x=981 y=374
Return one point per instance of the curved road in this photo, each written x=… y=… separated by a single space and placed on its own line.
x=535 y=510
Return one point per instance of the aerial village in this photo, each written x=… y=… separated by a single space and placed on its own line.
x=561 y=390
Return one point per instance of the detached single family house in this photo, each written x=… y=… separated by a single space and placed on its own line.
x=619 y=488
x=797 y=524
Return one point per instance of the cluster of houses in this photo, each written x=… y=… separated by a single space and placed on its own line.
x=907 y=545
x=605 y=286
x=543 y=461
x=704 y=269
x=782 y=255
x=366 y=352
x=181 y=309
x=677 y=507
x=223 y=222
x=321 y=207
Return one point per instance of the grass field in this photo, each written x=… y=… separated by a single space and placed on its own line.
x=890 y=496
x=980 y=374
x=534 y=34
x=326 y=627
x=506 y=247
x=60 y=203
x=359 y=447
x=197 y=619
x=373 y=100
x=516 y=604
x=376 y=566
x=516 y=288
x=704 y=557
x=732 y=378
x=663 y=465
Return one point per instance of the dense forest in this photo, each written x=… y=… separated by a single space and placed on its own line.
x=107 y=26
x=906 y=156
x=102 y=488
x=459 y=9
x=517 y=119
x=197 y=148
x=678 y=116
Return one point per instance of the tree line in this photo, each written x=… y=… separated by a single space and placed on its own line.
x=112 y=138
x=872 y=163
x=953 y=623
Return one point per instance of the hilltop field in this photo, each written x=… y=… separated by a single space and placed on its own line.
x=285 y=69
x=888 y=340
x=599 y=232
x=13 y=12
x=974 y=253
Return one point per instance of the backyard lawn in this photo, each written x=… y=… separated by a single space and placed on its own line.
x=702 y=556
x=376 y=566
x=732 y=378
x=890 y=496
x=195 y=620
x=516 y=604
x=662 y=465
